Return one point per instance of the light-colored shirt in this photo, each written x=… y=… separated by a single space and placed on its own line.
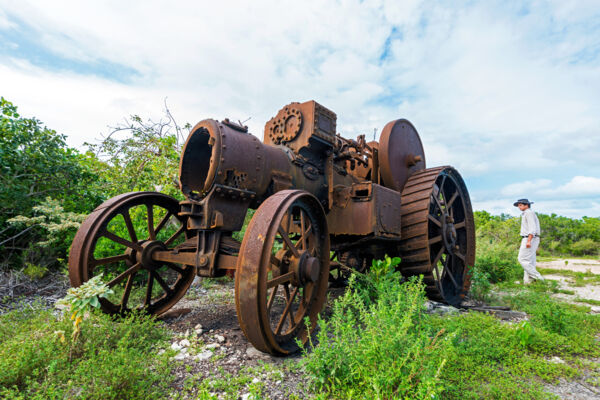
x=530 y=225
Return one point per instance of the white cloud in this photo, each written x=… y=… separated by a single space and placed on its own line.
x=522 y=188
x=490 y=86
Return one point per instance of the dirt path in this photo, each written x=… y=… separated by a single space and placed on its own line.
x=587 y=289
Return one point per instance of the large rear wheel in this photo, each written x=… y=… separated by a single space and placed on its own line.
x=438 y=233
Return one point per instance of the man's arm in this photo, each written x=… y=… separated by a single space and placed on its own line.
x=529 y=237
x=530 y=220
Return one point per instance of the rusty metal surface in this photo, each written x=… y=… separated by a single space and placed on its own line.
x=361 y=199
x=137 y=257
x=282 y=271
x=401 y=153
x=438 y=233
x=364 y=209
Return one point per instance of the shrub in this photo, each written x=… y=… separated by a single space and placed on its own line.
x=585 y=247
x=498 y=260
x=375 y=344
x=480 y=284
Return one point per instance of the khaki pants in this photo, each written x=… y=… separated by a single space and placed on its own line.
x=527 y=260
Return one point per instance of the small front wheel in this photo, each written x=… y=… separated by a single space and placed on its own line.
x=282 y=271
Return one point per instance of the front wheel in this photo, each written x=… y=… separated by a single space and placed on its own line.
x=282 y=271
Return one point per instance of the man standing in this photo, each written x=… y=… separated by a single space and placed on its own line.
x=530 y=240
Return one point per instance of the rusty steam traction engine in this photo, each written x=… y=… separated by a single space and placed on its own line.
x=324 y=204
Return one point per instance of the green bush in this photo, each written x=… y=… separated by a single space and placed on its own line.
x=480 y=284
x=498 y=260
x=377 y=347
x=112 y=359
x=585 y=247
x=35 y=162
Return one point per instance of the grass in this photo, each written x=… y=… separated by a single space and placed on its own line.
x=578 y=279
x=111 y=359
x=379 y=344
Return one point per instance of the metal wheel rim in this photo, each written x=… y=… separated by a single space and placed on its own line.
x=253 y=298
x=436 y=206
x=82 y=262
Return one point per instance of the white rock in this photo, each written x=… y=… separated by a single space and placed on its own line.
x=212 y=346
x=278 y=383
x=255 y=380
x=199 y=326
x=246 y=396
x=220 y=338
x=161 y=352
x=251 y=352
x=557 y=360
x=175 y=346
x=199 y=332
x=180 y=356
x=205 y=355
x=184 y=343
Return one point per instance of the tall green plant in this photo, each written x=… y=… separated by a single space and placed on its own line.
x=375 y=345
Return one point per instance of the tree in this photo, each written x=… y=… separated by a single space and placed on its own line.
x=146 y=159
x=35 y=163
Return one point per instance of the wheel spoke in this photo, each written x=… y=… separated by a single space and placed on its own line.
x=434 y=220
x=162 y=222
x=442 y=186
x=275 y=261
x=176 y=268
x=303 y=238
x=120 y=240
x=110 y=260
x=288 y=306
x=148 y=297
x=460 y=255
x=280 y=279
x=272 y=298
x=124 y=274
x=448 y=271
x=127 y=291
x=287 y=297
x=438 y=256
x=175 y=235
x=439 y=279
x=288 y=241
x=129 y=225
x=437 y=202
x=451 y=201
x=151 y=232
x=460 y=225
x=162 y=283
x=435 y=239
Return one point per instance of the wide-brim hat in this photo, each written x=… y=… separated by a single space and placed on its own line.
x=522 y=201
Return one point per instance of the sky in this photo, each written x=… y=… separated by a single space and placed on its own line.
x=507 y=92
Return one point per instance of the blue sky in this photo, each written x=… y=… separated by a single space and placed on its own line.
x=508 y=92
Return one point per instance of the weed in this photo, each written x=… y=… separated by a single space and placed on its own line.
x=592 y=302
x=35 y=271
x=114 y=359
x=375 y=344
x=480 y=284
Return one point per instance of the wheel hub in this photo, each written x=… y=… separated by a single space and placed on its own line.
x=449 y=233
x=145 y=256
x=306 y=269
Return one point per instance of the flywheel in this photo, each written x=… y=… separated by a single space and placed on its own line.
x=438 y=233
